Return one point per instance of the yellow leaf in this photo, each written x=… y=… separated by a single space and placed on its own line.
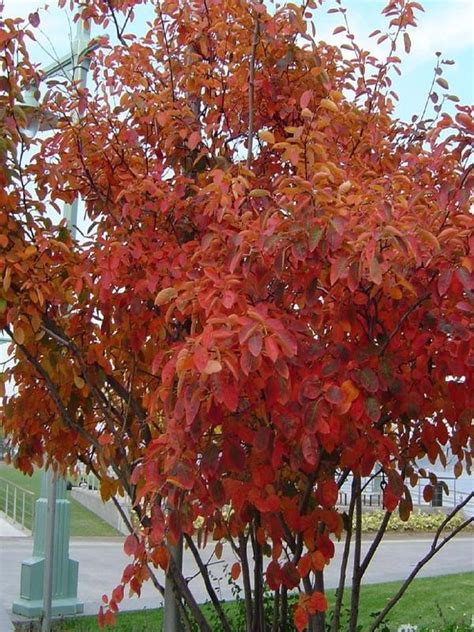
x=345 y=187
x=79 y=382
x=7 y=278
x=213 y=366
x=350 y=391
x=329 y=105
x=466 y=263
x=258 y=193
x=30 y=250
x=266 y=136
x=165 y=296
x=306 y=113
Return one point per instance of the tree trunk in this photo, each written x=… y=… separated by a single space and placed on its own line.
x=356 y=576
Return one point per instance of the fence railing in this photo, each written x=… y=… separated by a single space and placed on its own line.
x=446 y=494
x=17 y=503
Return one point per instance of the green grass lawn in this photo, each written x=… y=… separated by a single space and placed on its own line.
x=440 y=604
x=83 y=521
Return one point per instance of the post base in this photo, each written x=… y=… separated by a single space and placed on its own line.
x=34 y=608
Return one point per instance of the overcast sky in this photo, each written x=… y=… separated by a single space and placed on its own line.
x=446 y=26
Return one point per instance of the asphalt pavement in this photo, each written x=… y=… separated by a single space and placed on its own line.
x=101 y=562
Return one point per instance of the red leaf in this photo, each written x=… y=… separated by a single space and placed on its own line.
x=304 y=565
x=375 y=273
x=310 y=449
x=290 y=578
x=305 y=99
x=328 y=492
x=444 y=281
x=230 y=396
x=274 y=576
x=263 y=440
x=390 y=501
x=117 y=593
x=428 y=493
x=130 y=545
x=234 y=456
x=255 y=343
x=325 y=546
x=301 y=618
x=194 y=140
x=34 y=19
x=101 y=618
x=271 y=348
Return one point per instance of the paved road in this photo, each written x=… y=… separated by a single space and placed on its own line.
x=101 y=562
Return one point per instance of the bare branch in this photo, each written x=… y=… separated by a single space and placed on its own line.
x=253 y=57
x=118 y=30
x=356 y=577
x=342 y=574
x=435 y=547
x=375 y=543
x=210 y=589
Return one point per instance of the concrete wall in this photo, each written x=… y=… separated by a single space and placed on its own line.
x=92 y=501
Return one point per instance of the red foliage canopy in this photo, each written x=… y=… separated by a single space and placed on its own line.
x=275 y=290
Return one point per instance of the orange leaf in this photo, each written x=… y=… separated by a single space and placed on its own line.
x=304 y=565
x=317 y=603
x=235 y=571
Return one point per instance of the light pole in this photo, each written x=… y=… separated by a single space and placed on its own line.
x=58 y=592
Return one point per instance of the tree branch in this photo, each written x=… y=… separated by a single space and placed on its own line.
x=435 y=547
x=210 y=589
x=253 y=56
x=356 y=577
x=375 y=543
x=342 y=574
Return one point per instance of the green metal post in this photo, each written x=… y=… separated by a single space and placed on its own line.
x=64 y=570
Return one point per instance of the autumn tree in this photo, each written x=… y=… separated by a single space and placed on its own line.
x=273 y=294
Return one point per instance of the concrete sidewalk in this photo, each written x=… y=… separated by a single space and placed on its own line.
x=9 y=530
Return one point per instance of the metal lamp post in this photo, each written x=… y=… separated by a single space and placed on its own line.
x=49 y=578
x=52 y=523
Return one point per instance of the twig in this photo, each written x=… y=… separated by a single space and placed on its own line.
x=118 y=30
x=256 y=33
x=168 y=52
